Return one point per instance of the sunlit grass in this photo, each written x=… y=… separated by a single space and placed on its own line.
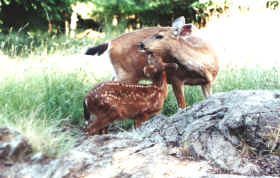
x=59 y=94
x=230 y=78
x=273 y=137
x=40 y=91
x=22 y=44
x=41 y=133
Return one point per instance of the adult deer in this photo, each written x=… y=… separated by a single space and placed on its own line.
x=197 y=61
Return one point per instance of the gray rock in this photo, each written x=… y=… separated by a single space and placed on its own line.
x=13 y=146
x=211 y=139
x=217 y=128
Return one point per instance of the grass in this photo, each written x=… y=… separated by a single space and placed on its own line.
x=58 y=94
x=273 y=137
x=21 y=44
x=35 y=100
x=42 y=134
x=39 y=89
x=24 y=44
x=228 y=79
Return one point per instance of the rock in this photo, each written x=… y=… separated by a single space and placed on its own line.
x=13 y=146
x=220 y=127
x=224 y=136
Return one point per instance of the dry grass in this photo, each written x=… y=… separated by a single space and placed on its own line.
x=41 y=133
x=273 y=137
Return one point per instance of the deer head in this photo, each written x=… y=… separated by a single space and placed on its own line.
x=162 y=41
x=156 y=65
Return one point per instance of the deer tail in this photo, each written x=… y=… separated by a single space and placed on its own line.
x=100 y=49
x=86 y=113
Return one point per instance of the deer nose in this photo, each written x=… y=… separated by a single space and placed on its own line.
x=141 y=46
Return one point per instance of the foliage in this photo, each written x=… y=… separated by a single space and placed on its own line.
x=135 y=11
x=204 y=10
x=274 y=4
x=34 y=12
x=21 y=44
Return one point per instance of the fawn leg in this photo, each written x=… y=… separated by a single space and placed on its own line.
x=105 y=130
x=140 y=119
x=100 y=124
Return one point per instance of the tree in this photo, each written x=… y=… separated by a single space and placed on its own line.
x=144 y=12
x=16 y=13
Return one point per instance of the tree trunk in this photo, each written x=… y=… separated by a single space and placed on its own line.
x=67 y=28
x=73 y=25
x=49 y=26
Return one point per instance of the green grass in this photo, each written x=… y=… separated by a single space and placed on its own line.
x=43 y=135
x=38 y=103
x=22 y=44
x=228 y=79
x=38 y=100
x=60 y=95
x=57 y=96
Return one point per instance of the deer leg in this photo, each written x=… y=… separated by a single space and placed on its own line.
x=178 y=89
x=100 y=124
x=140 y=119
x=105 y=130
x=207 y=90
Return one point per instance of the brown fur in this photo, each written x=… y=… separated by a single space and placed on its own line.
x=129 y=62
x=109 y=101
x=198 y=61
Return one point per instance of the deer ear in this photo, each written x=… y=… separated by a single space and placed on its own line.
x=177 y=25
x=186 y=30
x=179 y=22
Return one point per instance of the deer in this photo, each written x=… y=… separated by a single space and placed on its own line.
x=198 y=63
x=113 y=100
x=128 y=61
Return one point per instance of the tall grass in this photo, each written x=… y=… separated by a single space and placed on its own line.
x=37 y=103
x=228 y=79
x=59 y=95
x=24 y=44
x=43 y=135
x=56 y=96
x=37 y=97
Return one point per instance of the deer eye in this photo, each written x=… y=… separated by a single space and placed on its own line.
x=158 y=37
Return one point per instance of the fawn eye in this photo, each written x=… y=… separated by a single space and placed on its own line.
x=158 y=37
